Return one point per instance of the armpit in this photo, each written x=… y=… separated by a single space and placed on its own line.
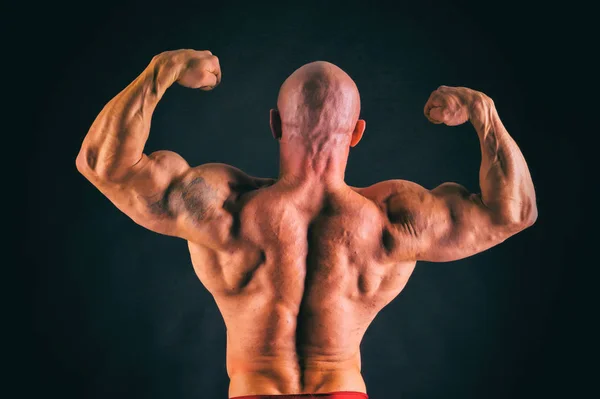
x=401 y=216
x=158 y=205
x=193 y=196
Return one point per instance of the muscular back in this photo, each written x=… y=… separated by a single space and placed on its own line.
x=299 y=281
x=300 y=271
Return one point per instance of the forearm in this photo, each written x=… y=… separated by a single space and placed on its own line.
x=116 y=139
x=506 y=185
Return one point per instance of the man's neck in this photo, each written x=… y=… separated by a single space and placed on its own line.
x=316 y=164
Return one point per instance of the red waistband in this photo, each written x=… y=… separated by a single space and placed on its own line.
x=331 y=395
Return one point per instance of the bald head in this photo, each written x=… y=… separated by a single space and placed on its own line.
x=318 y=100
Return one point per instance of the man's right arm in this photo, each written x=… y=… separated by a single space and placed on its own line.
x=450 y=223
x=150 y=189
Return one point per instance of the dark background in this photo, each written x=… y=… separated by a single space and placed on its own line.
x=117 y=311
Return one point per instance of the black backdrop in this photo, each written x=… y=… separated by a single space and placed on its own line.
x=117 y=311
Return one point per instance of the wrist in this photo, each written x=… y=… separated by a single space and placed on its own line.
x=166 y=68
x=479 y=104
x=482 y=111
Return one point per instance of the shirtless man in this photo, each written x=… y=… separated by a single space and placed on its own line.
x=299 y=266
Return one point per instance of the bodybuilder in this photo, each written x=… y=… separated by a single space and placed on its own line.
x=299 y=266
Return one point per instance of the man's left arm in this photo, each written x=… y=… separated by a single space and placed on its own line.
x=112 y=158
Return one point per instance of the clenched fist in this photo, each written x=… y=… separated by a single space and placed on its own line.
x=192 y=68
x=453 y=105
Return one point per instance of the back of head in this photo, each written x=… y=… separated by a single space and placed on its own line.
x=318 y=101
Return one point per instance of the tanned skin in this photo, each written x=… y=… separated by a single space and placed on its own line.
x=299 y=266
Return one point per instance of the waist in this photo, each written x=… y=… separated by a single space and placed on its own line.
x=330 y=395
x=288 y=378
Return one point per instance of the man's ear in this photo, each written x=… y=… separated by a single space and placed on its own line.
x=357 y=134
x=275 y=123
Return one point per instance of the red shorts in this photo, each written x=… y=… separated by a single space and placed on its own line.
x=331 y=395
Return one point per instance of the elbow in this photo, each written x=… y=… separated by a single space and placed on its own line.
x=87 y=164
x=519 y=218
x=528 y=214
x=99 y=171
x=531 y=216
x=85 y=161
